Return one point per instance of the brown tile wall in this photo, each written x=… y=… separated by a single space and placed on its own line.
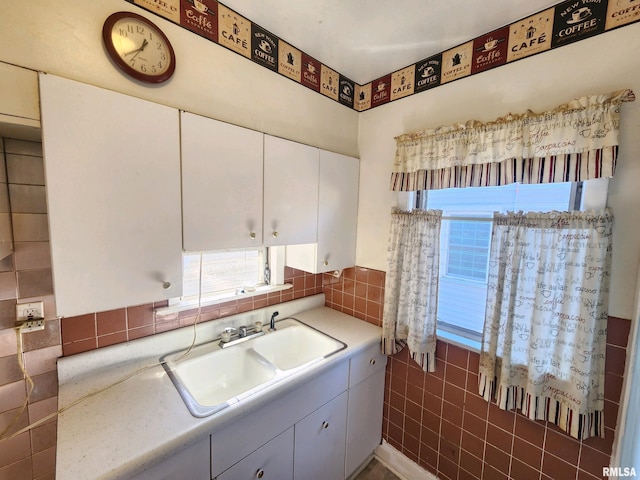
x=25 y=276
x=358 y=292
x=439 y=421
x=101 y=329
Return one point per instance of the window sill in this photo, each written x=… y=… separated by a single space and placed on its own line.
x=182 y=305
x=459 y=341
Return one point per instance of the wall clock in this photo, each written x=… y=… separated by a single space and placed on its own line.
x=138 y=47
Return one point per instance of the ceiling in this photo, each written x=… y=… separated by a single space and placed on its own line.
x=366 y=39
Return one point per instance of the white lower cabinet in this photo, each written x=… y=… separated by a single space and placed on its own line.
x=364 y=425
x=323 y=430
x=319 y=447
x=272 y=461
x=366 y=402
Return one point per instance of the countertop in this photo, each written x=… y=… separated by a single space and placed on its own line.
x=139 y=422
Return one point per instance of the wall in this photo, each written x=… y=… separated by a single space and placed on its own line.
x=601 y=64
x=26 y=276
x=439 y=421
x=64 y=38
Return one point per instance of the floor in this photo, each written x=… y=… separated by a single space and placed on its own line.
x=376 y=471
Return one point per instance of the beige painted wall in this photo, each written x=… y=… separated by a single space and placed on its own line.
x=64 y=38
x=601 y=64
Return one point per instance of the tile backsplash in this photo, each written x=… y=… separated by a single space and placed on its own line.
x=101 y=329
x=25 y=275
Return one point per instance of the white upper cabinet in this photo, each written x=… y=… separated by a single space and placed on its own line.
x=290 y=192
x=337 y=216
x=221 y=184
x=112 y=166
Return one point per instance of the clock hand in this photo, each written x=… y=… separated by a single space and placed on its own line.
x=138 y=50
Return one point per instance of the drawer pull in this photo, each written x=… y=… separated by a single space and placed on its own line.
x=252 y=235
x=325 y=424
x=372 y=361
x=325 y=263
x=166 y=285
x=275 y=234
x=260 y=473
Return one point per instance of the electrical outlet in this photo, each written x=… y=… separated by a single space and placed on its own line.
x=30 y=316
x=32 y=325
x=29 y=311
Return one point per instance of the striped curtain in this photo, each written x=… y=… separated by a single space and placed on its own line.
x=574 y=142
x=411 y=286
x=544 y=340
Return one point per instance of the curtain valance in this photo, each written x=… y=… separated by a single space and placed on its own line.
x=573 y=142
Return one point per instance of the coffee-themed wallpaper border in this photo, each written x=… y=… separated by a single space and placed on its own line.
x=559 y=25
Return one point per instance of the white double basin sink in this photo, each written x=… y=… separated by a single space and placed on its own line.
x=210 y=379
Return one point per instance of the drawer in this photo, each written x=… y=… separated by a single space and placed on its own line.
x=365 y=364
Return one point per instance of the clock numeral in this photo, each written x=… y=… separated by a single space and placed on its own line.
x=132 y=62
x=153 y=69
x=159 y=45
x=143 y=68
x=139 y=29
x=130 y=28
x=163 y=56
x=123 y=33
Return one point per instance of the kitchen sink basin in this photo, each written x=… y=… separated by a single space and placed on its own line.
x=295 y=345
x=209 y=381
x=210 y=378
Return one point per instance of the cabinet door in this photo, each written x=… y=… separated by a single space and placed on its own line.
x=112 y=166
x=319 y=450
x=337 y=218
x=364 y=423
x=221 y=184
x=272 y=461
x=337 y=211
x=290 y=192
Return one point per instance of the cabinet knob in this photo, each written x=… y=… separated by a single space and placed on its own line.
x=372 y=361
x=252 y=235
x=325 y=424
x=325 y=263
x=166 y=285
x=260 y=473
x=275 y=234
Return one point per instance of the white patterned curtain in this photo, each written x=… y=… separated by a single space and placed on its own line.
x=411 y=285
x=573 y=142
x=544 y=341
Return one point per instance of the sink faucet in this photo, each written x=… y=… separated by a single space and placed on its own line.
x=272 y=324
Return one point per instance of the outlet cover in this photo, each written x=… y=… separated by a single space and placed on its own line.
x=29 y=311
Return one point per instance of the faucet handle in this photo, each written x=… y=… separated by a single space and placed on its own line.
x=226 y=334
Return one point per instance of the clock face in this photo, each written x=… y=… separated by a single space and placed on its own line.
x=138 y=47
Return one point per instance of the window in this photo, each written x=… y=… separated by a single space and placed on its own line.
x=465 y=241
x=224 y=273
